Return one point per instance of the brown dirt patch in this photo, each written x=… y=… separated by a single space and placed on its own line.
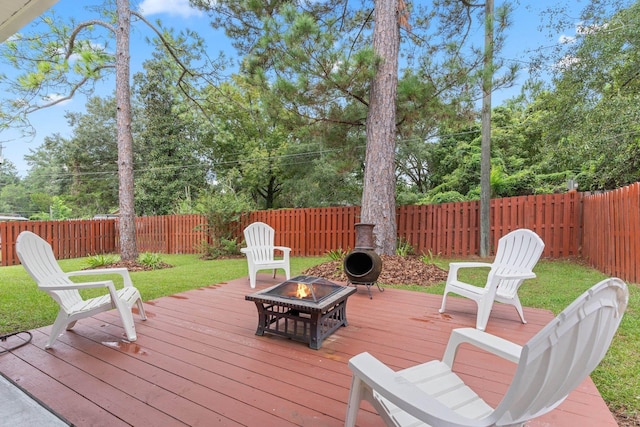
x=396 y=270
x=625 y=419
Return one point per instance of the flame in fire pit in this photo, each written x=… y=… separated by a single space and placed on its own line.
x=307 y=288
x=303 y=291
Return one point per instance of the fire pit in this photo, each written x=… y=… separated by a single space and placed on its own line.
x=304 y=308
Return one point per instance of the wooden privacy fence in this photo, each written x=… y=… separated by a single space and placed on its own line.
x=603 y=229
x=611 y=230
x=171 y=234
x=453 y=229
x=175 y=234
x=449 y=229
x=69 y=239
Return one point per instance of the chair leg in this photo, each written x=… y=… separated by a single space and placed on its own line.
x=127 y=323
x=353 y=405
x=70 y=325
x=252 y=278
x=126 y=315
x=141 y=312
x=444 y=302
x=484 y=310
x=61 y=323
x=518 y=306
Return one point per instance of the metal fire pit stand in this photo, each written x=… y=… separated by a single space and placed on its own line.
x=301 y=320
x=368 y=285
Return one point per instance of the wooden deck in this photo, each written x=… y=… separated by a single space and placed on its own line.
x=198 y=362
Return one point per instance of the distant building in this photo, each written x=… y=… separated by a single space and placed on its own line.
x=13 y=218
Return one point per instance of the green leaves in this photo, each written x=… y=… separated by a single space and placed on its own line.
x=31 y=81
x=592 y=129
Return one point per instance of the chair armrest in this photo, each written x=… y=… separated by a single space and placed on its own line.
x=470 y=264
x=403 y=394
x=83 y=285
x=515 y=275
x=286 y=252
x=101 y=271
x=455 y=266
x=248 y=252
x=499 y=346
x=280 y=248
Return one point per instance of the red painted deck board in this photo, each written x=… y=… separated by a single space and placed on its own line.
x=197 y=361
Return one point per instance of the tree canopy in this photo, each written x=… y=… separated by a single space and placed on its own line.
x=288 y=128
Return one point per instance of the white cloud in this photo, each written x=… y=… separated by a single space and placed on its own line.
x=171 y=7
x=564 y=39
x=590 y=29
x=52 y=97
x=82 y=45
x=581 y=30
x=566 y=63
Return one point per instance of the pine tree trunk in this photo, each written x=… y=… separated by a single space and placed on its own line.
x=127 y=226
x=485 y=160
x=378 y=196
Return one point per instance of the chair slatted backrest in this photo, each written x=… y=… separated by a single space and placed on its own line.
x=518 y=251
x=564 y=353
x=36 y=255
x=260 y=239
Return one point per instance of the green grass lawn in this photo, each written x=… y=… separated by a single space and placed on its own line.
x=559 y=282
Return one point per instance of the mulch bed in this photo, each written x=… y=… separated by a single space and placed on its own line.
x=625 y=419
x=134 y=266
x=396 y=270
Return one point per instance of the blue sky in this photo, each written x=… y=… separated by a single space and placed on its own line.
x=524 y=38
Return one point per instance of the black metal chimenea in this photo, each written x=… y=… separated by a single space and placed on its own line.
x=363 y=265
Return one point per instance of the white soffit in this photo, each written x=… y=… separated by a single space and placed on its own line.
x=15 y=14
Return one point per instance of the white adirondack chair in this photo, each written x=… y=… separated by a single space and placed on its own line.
x=518 y=252
x=37 y=258
x=261 y=251
x=554 y=362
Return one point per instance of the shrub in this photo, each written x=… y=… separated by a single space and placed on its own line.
x=151 y=260
x=403 y=247
x=444 y=197
x=428 y=257
x=223 y=207
x=337 y=254
x=102 y=260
